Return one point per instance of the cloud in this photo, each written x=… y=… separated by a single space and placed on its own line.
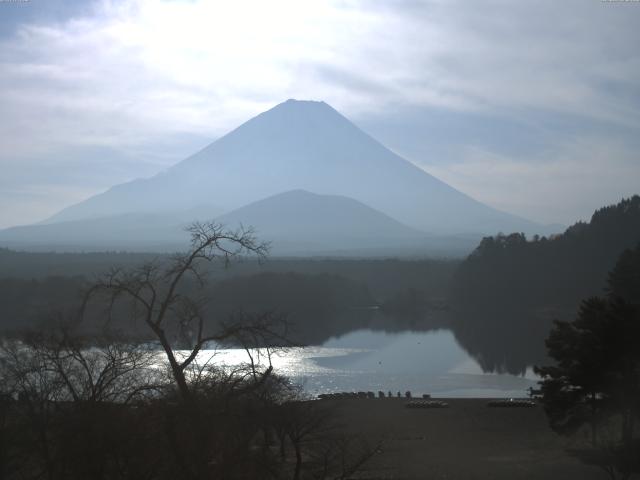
x=130 y=70
x=565 y=185
x=134 y=74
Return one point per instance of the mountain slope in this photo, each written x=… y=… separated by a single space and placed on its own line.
x=296 y=223
x=310 y=146
x=302 y=222
x=127 y=231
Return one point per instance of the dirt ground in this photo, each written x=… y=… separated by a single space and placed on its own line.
x=466 y=441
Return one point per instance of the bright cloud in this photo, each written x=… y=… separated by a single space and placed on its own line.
x=132 y=74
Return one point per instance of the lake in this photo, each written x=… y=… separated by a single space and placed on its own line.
x=367 y=360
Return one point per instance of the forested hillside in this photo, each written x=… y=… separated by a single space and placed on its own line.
x=508 y=291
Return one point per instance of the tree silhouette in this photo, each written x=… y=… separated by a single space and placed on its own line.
x=218 y=421
x=624 y=279
x=155 y=295
x=499 y=291
x=596 y=378
x=69 y=403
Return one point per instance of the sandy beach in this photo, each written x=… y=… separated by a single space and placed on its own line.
x=468 y=440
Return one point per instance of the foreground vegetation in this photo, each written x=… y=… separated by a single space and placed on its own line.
x=77 y=406
x=594 y=381
x=73 y=410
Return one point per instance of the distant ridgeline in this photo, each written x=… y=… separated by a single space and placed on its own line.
x=508 y=291
x=322 y=297
x=319 y=300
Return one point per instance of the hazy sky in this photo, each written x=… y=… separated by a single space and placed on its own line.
x=530 y=106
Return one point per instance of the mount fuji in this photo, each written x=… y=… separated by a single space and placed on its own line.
x=295 y=146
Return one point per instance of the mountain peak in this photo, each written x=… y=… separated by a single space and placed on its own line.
x=295 y=103
x=293 y=109
x=304 y=145
x=292 y=101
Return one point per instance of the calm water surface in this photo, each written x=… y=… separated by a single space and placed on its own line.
x=365 y=360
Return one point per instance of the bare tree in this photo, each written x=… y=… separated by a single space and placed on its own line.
x=339 y=457
x=220 y=423
x=156 y=295
x=59 y=386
